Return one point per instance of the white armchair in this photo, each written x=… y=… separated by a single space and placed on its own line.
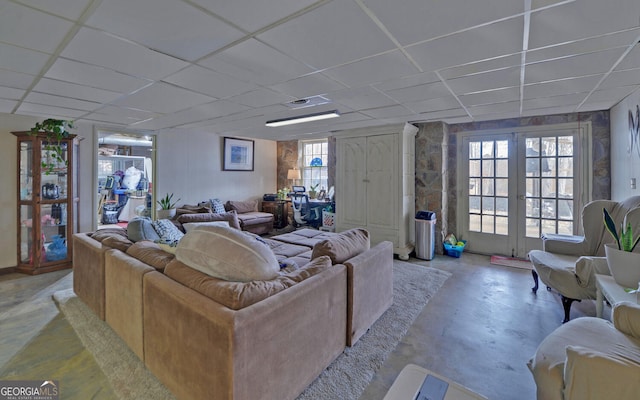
x=590 y=358
x=568 y=264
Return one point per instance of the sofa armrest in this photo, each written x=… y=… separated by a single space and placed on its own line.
x=565 y=244
x=370 y=288
x=592 y=375
x=626 y=318
x=88 y=272
x=587 y=267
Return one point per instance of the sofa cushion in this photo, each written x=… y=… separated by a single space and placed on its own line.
x=168 y=232
x=228 y=254
x=141 y=228
x=304 y=237
x=187 y=209
x=193 y=225
x=150 y=253
x=243 y=206
x=238 y=295
x=343 y=246
x=104 y=233
x=117 y=242
x=231 y=217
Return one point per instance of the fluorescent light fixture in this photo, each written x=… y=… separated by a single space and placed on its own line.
x=304 y=118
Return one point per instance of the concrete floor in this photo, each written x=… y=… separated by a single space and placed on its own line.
x=478 y=330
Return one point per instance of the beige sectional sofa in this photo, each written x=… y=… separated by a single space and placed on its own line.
x=207 y=338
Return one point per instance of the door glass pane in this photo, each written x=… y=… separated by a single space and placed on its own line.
x=502 y=187
x=502 y=168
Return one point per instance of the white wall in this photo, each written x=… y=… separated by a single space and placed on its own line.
x=624 y=164
x=188 y=164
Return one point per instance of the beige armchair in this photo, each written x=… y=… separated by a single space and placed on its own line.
x=568 y=264
x=590 y=358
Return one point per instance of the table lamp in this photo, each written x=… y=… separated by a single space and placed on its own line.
x=293 y=175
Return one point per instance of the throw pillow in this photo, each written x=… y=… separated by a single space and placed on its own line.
x=141 y=228
x=228 y=254
x=168 y=232
x=217 y=206
x=343 y=246
x=238 y=295
x=102 y=234
x=244 y=206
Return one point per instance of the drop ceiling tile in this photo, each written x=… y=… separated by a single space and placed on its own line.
x=71 y=9
x=16 y=80
x=548 y=111
x=439 y=115
x=420 y=92
x=351 y=35
x=495 y=40
x=631 y=60
x=163 y=98
x=102 y=49
x=503 y=78
x=21 y=60
x=307 y=86
x=555 y=101
x=392 y=65
x=75 y=91
x=621 y=78
x=586 y=107
x=194 y=114
x=364 y=101
x=581 y=19
x=104 y=119
x=8 y=93
x=417 y=20
x=89 y=75
x=25 y=27
x=599 y=43
x=385 y=112
x=119 y=115
x=6 y=106
x=60 y=101
x=562 y=86
x=261 y=97
x=252 y=61
x=408 y=81
x=443 y=103
x=49 y=111
x=252 y=15
x=493 y=64
x=209 y=82
x=611 y=95
x=165 y=26
x=508 y=107
x=491 y=96
x=585 y=64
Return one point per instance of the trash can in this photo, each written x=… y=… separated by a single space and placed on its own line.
x=425 y=234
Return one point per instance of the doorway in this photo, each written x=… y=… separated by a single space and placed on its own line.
x=124 y=177
x=520 y=185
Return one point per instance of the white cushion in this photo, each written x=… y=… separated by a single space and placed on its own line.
x=228 y=254
x=189 y=226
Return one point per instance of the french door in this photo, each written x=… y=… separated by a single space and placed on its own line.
x=520 y=185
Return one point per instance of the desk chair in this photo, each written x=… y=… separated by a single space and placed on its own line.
x=303 y=212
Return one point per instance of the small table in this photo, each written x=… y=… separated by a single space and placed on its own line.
x=407 y=385
x=607 y=288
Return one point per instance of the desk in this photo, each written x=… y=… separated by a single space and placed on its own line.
x=407 y=385
x=607 y=288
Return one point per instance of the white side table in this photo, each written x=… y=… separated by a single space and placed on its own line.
x=408 y=383
x=607 y=288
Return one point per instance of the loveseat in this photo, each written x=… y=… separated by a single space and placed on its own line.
x=205 y=337
x=590 y=358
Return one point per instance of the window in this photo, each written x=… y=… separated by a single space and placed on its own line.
x=314 y=157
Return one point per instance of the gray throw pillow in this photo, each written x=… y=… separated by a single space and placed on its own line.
x=141 y=228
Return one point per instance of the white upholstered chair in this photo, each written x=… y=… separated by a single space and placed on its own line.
x=591 y=359
x=568 y=264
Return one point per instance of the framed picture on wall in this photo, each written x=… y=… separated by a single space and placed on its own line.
x=238 y=154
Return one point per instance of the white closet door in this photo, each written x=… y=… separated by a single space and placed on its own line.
x=382 y=181
x=351 y=194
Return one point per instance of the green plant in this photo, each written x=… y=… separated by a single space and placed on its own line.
x=312 y=188
x=166 y=202
x=54 y=131
x=625 y=239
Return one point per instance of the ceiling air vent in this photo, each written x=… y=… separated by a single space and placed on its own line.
x=307 y=102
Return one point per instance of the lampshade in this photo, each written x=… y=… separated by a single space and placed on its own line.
x=293 y=174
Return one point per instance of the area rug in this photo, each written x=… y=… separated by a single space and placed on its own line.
x=346 y=378
x=511 y=262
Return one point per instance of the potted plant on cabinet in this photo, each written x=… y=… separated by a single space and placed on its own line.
x=167 y=207
x=54 y=131
x=623 y=263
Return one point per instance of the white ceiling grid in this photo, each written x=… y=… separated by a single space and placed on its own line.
x=228 y=67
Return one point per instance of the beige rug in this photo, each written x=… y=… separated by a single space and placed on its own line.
x=346 y=378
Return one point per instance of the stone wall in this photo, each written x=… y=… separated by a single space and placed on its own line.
x=287 y=159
